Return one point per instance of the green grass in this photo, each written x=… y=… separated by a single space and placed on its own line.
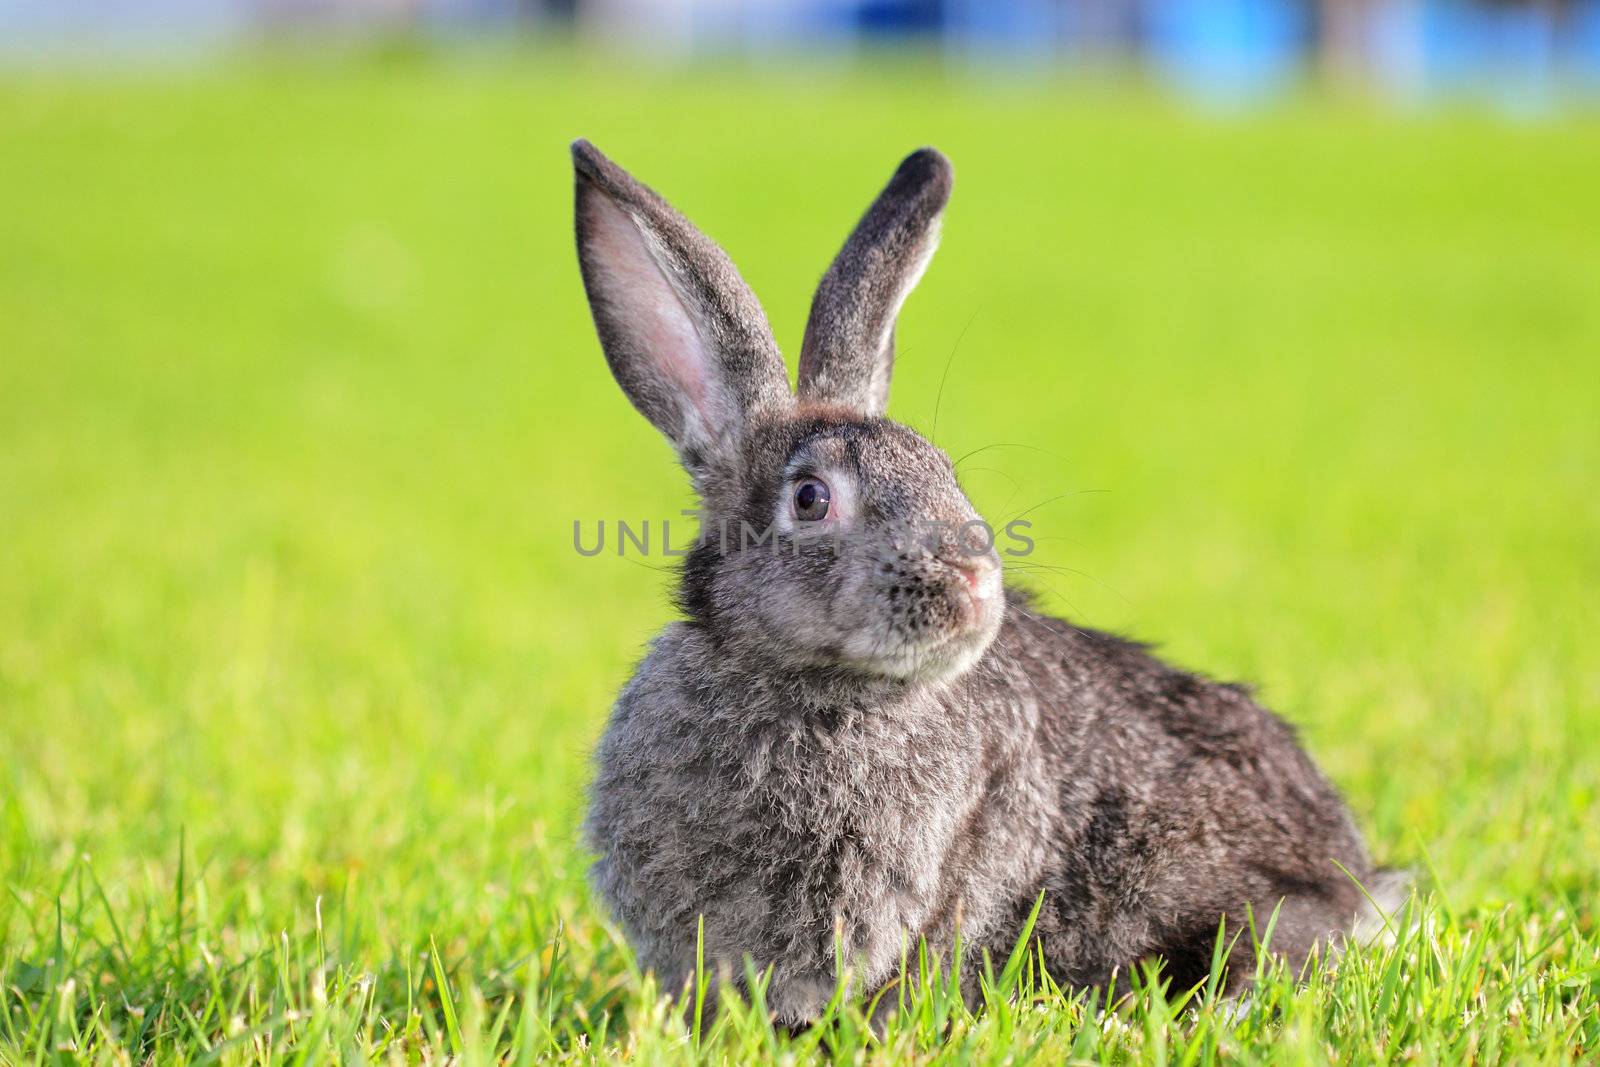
x=299 y=400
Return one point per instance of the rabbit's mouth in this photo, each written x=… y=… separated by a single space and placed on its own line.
x=981 y=576
x=936 y=627
x=940 y=656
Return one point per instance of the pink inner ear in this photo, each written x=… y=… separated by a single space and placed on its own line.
x=649 y=307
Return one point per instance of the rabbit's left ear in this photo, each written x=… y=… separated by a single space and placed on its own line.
x=684 y=335
x=848 y=354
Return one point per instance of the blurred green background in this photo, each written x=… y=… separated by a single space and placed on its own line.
x=299 y=401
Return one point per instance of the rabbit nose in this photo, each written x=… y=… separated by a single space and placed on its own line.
x=982 y=576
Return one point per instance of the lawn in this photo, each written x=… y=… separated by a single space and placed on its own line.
x=299 y=401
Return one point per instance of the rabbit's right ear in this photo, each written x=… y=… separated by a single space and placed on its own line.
x=848 y=352
x=684 y=335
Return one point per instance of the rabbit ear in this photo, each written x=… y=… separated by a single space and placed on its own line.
x=684 y=335
x=848 y=352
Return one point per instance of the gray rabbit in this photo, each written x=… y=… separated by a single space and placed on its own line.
x=858 y=737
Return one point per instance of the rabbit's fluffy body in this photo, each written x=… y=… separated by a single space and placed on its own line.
x=853 y=743
x=1144 y=802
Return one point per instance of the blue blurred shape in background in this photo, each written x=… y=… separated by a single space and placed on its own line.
x=1228 y=51
x=1524 y=57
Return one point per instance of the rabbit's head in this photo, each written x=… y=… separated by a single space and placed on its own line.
x=831 y=537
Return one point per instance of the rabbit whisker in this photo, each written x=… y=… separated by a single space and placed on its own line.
x=933 y=433
x=1009 y=444
x=1072 y=572
x=1052 y=500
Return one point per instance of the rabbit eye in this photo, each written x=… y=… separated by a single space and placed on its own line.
x=811 y=499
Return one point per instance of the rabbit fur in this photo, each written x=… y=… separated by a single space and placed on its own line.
x=852 y=743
